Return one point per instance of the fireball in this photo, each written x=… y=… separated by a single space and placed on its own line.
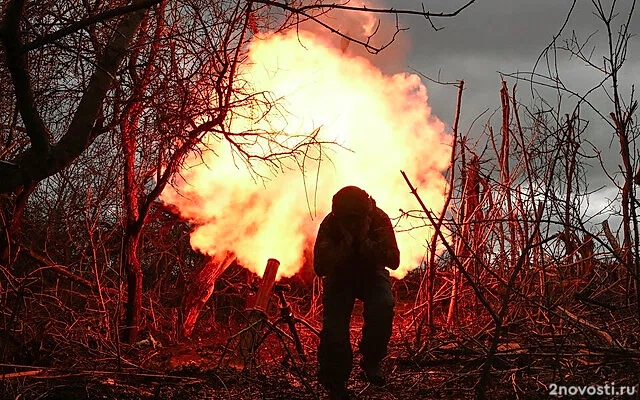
x=371 y=126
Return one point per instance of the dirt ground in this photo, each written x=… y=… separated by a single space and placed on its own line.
x=443 y=365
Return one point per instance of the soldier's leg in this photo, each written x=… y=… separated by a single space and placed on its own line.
x=378 y=320
x=335 y=356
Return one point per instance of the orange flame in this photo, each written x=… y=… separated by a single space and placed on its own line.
x=384 y=120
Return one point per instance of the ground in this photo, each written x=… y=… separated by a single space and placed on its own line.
x=444 y=364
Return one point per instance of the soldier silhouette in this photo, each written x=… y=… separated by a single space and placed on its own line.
x=355 y=243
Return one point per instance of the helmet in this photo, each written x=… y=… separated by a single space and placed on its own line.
x=351 y=200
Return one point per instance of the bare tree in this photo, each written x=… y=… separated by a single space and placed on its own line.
x=622 y=120
x=160 y=74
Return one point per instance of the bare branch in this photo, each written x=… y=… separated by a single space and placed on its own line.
x=100 y=17
x=335 y=6
x=305 y=11
x=17 y=64
x=33 y=164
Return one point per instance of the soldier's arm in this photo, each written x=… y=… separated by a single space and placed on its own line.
x=380 y=245
x=329 y=252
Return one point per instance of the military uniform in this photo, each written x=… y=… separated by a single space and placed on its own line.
x=352 y=265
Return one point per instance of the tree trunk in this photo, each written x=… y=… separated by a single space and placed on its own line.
x=42 y=160
x=505 y=173
x=431 y=275
x=137 y=208
x=461 y=236
x=200 y=290
x=134 y=225
x=134 y=284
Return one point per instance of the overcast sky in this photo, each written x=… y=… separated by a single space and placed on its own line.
x=505 y=36
x=508 y=36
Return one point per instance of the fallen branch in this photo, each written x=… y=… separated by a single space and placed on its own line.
x=21 y=374
x=584 y=322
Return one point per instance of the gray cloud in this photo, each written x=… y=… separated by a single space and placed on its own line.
x=501 y=35
x=508 y=36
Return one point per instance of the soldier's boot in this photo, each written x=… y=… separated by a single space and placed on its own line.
x=373 y=372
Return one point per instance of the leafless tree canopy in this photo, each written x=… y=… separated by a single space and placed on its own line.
x=101 y=103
